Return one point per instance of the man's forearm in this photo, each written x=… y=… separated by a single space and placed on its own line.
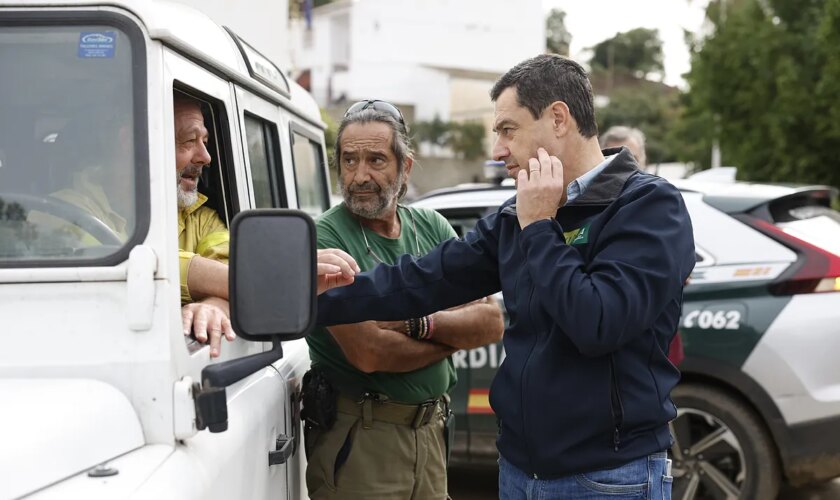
x=473 y=325
x=207 y=278
x=372 y=349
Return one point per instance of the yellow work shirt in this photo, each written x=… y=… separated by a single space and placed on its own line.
x=90 y=197
x=200 y=232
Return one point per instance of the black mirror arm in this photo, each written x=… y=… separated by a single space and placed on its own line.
x=210 y=395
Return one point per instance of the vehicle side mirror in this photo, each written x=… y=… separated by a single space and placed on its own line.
x=273 y=278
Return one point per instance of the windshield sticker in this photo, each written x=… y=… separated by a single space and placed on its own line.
x=97 y=44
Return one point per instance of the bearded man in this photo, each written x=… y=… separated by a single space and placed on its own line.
x=380 y=432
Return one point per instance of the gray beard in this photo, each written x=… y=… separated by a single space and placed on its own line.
x=384 y=200
x=186 y=199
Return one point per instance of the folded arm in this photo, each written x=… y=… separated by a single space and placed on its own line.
x=455 y=272
x=464 y=327
x=372 y=349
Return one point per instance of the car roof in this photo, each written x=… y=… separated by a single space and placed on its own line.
x=191 y=32
x=466 y=196
x=739 y=196
x=729 y=197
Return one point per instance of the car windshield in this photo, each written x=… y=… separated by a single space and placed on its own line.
x=67 y=163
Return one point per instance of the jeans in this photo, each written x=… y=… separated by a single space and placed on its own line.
x=643 y=478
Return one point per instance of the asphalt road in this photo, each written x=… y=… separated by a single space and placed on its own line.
x=476 y=484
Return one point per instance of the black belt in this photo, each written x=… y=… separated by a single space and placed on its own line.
x=370 y=408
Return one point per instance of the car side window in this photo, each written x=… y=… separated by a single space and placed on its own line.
x=263 y=153
x=217 y=180
x=206 y=186
x=463 y=220
x=310 y=172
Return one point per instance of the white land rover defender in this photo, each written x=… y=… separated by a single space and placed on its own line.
x=101 y=394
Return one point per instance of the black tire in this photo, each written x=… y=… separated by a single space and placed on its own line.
x=725 y=451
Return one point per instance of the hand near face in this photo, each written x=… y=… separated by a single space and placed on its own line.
x=539 y=189
x=335 y=268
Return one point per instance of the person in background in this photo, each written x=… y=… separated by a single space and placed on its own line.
x=629 y=137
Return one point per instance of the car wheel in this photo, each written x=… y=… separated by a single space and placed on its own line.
x=721 y=449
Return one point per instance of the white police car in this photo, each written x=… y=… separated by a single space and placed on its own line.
x=759 y=400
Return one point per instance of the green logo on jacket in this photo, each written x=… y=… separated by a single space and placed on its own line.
x=577 y=236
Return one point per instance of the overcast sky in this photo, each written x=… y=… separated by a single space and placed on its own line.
x=593 y=21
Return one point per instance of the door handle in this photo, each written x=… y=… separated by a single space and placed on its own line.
x=284 y=451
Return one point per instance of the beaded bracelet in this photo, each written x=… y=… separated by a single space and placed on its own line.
x=419 y=328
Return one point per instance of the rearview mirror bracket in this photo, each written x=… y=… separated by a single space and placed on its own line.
x=210 y=395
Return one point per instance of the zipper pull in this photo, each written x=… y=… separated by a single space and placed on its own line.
x=616 y=439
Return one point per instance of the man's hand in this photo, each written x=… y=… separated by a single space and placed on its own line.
x=335 y=268
x=540 y=189
x=210 y=316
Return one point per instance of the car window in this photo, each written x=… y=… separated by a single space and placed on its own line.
x=310 y=174
x=817 y=225
x=262 y=153
x=68 y=190
x=463 y=220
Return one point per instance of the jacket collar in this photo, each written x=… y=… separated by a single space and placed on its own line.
x=606 y=186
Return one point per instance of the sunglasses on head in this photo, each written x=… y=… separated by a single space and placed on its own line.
x=383 y=106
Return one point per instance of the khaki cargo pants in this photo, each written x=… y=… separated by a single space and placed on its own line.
x=378 y=451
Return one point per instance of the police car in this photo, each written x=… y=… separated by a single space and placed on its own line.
x=759 y=400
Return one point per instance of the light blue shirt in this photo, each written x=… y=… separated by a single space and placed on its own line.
x=578 y=186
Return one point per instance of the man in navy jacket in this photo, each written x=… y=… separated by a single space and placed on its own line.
x=591 y=256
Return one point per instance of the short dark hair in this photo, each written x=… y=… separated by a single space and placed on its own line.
x=547 y=78
x=400 y=142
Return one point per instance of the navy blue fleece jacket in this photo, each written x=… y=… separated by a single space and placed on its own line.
x=594 y=298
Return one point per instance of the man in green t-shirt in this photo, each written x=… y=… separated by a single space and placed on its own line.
x=392 y=378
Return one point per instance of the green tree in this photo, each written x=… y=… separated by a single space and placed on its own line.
x=638 y=52
x=467 y=140
x=435 y=132
x=557 y=37
x=764 y=84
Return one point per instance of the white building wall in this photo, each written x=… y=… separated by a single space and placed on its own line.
x=401 y=50
x=403 y=84
x=483 y=35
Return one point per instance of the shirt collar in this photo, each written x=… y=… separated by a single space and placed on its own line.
x=195 y=206
x=578 y=186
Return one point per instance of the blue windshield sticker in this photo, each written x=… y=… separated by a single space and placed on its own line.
x=97 y=45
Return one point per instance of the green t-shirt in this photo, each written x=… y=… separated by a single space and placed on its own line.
x=337 y=228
